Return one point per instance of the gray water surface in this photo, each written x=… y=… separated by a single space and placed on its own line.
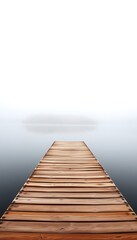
x=22 y=145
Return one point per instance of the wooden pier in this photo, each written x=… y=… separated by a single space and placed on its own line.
x=69 y=196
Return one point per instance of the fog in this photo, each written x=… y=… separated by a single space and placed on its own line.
x=68 y=58
x=68 y=72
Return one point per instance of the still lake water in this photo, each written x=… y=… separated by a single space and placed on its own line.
x=23 y=145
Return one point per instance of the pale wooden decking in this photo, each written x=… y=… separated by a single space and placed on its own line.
x=69 y=196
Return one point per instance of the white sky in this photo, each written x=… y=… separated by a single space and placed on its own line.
x=72 y=57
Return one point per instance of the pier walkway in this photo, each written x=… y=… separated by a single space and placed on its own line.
x=69 y=196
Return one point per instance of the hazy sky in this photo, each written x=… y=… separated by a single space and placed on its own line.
x=68 y=57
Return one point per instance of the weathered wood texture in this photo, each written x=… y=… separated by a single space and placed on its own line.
x=69 y=196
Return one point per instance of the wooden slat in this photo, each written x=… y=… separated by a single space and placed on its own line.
x=55 y=152
x=67 y=217
x=70 y=155
x=68 y=159
x=73 y=158
x=60 y=236
x=76 y=152
x=68 y=189
x=93 y=185
x=76 y=171
x=69 y=148
x=39 y=174
x=69 y=195
x=83 y=173
x=55 y=161
x=68 y=165
x=69 y=208
x=69 y=201
x=73 y=227
x=103 y=176
x=75 y=180
x=83 y=160
x=71 y=166
x=72 y=169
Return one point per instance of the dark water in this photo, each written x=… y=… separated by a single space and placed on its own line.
x=22 y=146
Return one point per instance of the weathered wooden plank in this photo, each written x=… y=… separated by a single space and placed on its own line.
x=54 y=236
x=69 y=176
x=73 y=158
x=55 y=152
x=77 y=148
x=70 y=227
x=77 y=151
x=68 y=189
x=69 y=148
x=69 y=208
x=66 y=157
x=85 y=151
x=66 y=168
x=52 y=165
x=55 y=161
x=82 y=148
x=59 y=169
x=63 y=184
x=68 y=217
x=70 y=155
x=70 y=158
x=83 y=173
x=69 y=201
x=70 y=195
x=75 y=180
x=68 y=165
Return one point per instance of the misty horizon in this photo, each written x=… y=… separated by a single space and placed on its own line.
x=68 y=72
